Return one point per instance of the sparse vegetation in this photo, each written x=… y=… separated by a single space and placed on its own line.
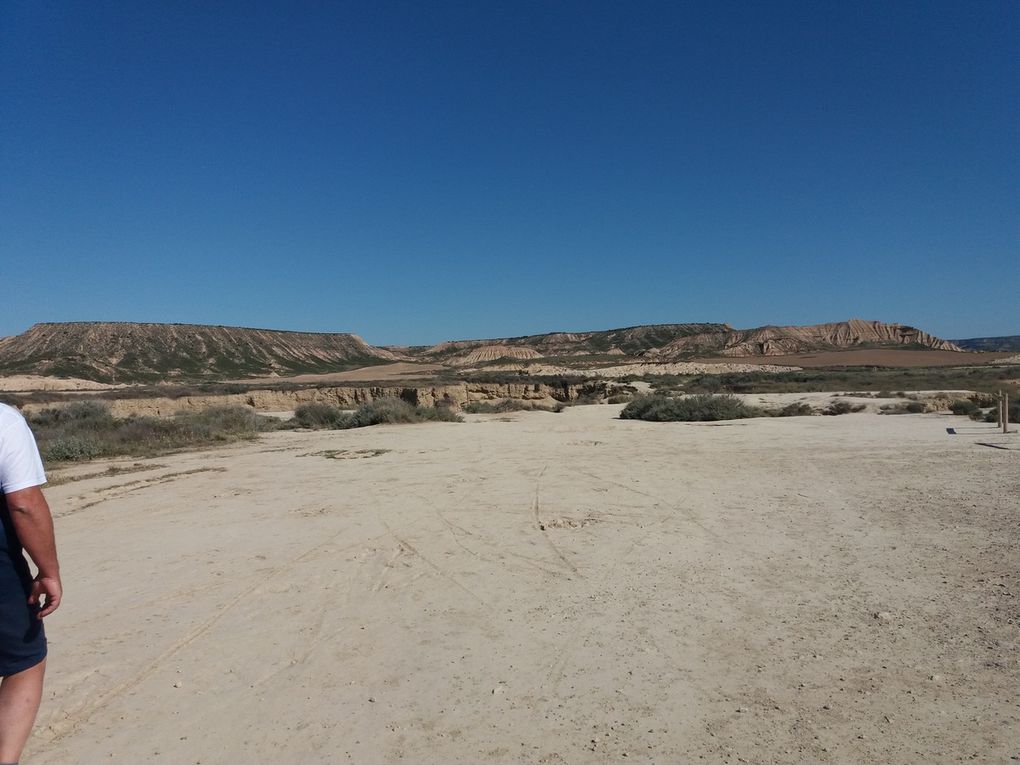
x=1013 y=416
x=881 y=379
x=378 y=412
x=984 y=400
x=904 y=407
x=319 y=415
x=843 y=407
x=506 y=405
x=86 y=430
x=798 y=409
x=697 y=408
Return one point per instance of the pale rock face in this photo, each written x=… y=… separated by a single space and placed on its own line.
x=494 y=352
x=350 y=397
x=782 y=341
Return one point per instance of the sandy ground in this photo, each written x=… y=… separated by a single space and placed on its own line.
x=545 y=588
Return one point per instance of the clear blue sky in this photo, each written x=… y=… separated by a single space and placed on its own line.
x=421 y=171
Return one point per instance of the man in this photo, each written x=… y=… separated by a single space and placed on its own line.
x=24 y=601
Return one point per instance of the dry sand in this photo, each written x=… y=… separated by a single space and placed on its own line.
x=545 y=588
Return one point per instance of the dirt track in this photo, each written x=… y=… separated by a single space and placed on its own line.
x=545 y=588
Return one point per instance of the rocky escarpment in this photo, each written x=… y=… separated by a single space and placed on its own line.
x=783 y=341
x=348 y=397
x=135 y=352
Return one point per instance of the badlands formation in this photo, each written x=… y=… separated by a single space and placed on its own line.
x=153 y=353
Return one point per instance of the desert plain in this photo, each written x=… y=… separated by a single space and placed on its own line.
x=544 y=588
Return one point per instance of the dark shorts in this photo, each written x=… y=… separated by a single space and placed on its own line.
x=22 y=638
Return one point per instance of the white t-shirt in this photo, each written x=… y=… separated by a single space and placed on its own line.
x=20 y=464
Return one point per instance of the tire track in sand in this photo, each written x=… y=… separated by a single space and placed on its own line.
x=536 y=511
x=74 y=720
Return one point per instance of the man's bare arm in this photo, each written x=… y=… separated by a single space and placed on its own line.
x=33 y=524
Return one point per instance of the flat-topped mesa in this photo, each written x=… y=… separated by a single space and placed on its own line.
x=784 y=341
x=128 y=351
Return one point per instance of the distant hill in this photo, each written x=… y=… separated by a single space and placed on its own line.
x=132 y=352
x=673 y=342
x=628 y=341
x=786 y=341
x=1009 y=343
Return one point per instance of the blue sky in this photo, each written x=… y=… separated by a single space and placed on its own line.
x=416 y=172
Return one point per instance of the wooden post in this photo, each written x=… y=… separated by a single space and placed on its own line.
x=1005 y=412
x=998 y=408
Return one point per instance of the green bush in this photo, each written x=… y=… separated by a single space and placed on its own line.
x=224 y=422
x=383 y=410
x=70 y=449
x=703 y=407
x=317 y=415
x=437 y=414
x=81 y=413
x=395 y=410
x=963 y=407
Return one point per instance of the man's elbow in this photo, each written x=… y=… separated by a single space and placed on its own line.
x=26 y=502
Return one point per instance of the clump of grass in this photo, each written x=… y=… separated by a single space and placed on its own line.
x=87 y=430
x=703 y=407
